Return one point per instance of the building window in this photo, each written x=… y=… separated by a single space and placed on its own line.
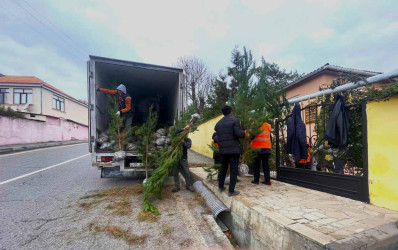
x=23 y=96
x=58 y=103
x=310 y=113
x=3 y=96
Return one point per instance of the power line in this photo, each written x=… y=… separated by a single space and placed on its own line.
x=39 y=32
x=57 y=28
x=30 y=13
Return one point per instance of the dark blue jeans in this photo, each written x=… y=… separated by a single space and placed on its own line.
x=233 y=161
x=264 y=159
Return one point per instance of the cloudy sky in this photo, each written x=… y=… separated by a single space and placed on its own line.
x=52 y=39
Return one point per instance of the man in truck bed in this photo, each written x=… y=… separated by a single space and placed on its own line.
x=126 y=108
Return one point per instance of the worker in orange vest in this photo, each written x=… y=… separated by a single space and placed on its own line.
x=263 y=142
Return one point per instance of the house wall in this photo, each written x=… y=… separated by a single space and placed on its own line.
x=19 y=131
x=34 y=107
x=309 y=87
x=382 y=118
x=73 y=111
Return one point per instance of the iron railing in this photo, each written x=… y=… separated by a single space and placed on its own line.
x=338 y=171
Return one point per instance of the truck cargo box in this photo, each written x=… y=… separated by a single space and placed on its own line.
x=142 y=81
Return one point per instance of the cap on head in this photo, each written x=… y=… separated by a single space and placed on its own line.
x=122 y=88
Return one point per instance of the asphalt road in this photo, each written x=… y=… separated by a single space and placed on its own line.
x=35 y=208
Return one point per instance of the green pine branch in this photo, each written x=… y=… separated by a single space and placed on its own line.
x=116 y=131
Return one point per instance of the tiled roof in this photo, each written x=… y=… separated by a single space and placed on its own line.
x=33 y=80
x=335 y=68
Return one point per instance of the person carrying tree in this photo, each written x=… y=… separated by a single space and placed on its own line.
x=228 y=132
x=126 y=108
x=262 y=142
x=182 y=166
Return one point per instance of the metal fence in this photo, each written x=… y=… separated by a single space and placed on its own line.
x=338 y=171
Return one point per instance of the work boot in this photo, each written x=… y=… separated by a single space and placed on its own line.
x=255 y=182
x=190 y=188
x=233 y=193
x=175 y=190
x=221 y=189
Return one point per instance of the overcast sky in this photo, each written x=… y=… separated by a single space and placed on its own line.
x=298 y=35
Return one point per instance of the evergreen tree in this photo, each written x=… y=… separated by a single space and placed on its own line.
x=274 y=75
x=243 y=103
x=217 y=98
x=146 y=132
x=243 y=69
x=116 y=131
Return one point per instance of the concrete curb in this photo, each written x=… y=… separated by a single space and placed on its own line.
x=7 y=149
x=223 y=240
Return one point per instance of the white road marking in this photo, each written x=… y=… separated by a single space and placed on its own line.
x=41 y=170
x=48 y=148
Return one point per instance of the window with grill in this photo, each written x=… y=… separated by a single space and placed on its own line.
x=310 y=113
x=3 y=96
x=58 y=103
x=23 y=96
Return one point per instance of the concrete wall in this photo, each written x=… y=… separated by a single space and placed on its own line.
x=202 y=137
x=383 y=153
x=18 y=131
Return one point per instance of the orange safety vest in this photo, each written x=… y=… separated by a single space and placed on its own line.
x=263 y=140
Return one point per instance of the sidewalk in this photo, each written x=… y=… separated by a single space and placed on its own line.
x=7 y=149
x=285 y=216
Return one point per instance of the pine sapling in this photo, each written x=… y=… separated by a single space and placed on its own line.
x=146 y=131
x=116 y=131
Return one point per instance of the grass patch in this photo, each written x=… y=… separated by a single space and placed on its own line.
x=147 y=217
x=96 y=195
x=166 y=230
x=119 y=233
x=169 y=214
x=121 y=208
x=117 y=195
x=88 y=204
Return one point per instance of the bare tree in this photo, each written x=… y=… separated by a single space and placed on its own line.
x=198 y=80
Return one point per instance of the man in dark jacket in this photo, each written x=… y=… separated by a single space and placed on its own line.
x=229 y=131
x=182 y=165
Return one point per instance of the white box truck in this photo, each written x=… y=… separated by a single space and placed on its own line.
x=142 y=81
